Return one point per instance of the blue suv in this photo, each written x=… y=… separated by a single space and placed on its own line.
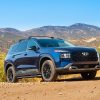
x=49 y=57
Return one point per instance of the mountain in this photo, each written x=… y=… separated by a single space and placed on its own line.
x=10 y=33
x=75 y=31
x=10 y=30
x=9 y=36
x=79 y=33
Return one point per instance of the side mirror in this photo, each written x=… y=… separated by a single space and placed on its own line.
x=33 y=48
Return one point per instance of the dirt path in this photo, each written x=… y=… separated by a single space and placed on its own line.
x=70 y=89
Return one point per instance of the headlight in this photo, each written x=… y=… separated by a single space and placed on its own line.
x=65 y=55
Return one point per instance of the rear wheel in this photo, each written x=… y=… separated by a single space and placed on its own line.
x=48 y=71
x=11 y=75
x=89 y=75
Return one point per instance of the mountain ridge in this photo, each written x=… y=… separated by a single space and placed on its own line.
x=77 y=33
x=51 y=26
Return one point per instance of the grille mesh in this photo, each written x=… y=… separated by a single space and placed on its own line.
x=78 y=56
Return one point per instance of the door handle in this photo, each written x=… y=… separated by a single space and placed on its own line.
x=16 y=55
x=13 y=56
x=25 y=54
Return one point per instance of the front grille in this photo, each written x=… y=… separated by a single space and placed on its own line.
x=78 y=56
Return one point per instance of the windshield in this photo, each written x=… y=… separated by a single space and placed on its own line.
x=53 y=43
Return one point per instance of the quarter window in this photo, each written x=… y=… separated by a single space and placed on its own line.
x=22 y=46
x=13 y=49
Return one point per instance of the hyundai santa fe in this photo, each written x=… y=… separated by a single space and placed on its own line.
x=48 y=57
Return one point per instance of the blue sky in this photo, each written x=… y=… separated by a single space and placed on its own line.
x=27 y=14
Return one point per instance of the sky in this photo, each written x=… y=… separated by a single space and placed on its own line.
x=28 y=14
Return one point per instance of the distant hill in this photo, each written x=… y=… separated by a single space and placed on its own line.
x=10 y=33
x=10 y=30
x=8 y=36
x=77 y=30
x=78 y=33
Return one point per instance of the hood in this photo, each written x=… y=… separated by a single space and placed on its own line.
x=77 y=48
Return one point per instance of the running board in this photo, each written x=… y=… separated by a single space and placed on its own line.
x=30 y=76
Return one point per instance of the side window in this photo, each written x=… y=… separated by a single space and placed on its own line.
x=22 y=46
x=31 y=43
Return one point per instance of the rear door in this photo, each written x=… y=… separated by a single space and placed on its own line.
x=20 y=55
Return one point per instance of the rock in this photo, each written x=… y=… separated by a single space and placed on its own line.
x=60 y=93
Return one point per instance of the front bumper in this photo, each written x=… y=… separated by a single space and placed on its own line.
x=73 y=67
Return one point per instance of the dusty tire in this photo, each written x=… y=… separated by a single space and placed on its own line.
x=88 y=75
x=11 y=75
x=48 y=71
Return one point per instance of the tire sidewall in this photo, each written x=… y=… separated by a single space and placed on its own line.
x=14 y=74
x=53 y=71
x=91 y=75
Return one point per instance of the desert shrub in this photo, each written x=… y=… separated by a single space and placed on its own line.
x=2 y=75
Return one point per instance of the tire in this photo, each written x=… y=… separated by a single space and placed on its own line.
x=88 y=75
x=11 y=75
x=48 y=71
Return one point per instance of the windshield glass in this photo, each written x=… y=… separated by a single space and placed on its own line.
x=53 y=43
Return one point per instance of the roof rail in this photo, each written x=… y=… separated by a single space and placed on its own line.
x=60 y=38
x=39 y=37
x=21 y=40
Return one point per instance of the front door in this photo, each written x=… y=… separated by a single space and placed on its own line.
x=31 y=58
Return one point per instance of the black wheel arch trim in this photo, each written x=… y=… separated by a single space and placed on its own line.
x=45 y=56
x=8 y=63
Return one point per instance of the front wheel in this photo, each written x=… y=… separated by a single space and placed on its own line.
x=48 y=71
x=89 y=75
x=11 y=75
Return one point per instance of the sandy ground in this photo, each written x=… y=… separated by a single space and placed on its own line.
x=69 y=89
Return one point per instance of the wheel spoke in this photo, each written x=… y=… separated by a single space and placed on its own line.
x=10 y=75
x=47 y=71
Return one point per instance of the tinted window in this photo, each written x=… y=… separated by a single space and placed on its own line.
x=22 y=46
x=31 y=43
x=53 y=43
x=13 y=49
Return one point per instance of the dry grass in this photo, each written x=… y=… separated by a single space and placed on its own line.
x=2 y=75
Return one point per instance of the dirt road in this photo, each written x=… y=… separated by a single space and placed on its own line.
x=69 y=89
